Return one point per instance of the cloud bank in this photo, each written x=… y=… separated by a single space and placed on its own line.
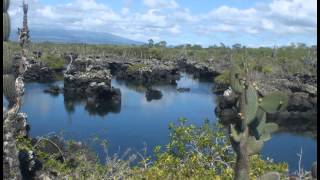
x=169 y=20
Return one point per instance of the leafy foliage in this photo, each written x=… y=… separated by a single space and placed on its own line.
x=193 y=152
x=53 y=61
x=135 y=67
x=286 y=60
x=223 y=78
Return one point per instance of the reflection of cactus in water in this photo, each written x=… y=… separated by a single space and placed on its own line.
x=251 y=130
x=6 y=20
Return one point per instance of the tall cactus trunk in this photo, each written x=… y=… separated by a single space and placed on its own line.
x=242 y=163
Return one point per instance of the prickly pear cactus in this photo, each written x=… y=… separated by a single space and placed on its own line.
x=6 y=20
x=251 y=130
x=6 y=5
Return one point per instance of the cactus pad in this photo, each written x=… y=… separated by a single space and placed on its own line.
x=235 y=82
x=258 y=125
x=274 y=102
x=249 y=104
x=254 y=146
x=265 y=136
x=6 y=5
x=271 y=127
x=6 y=26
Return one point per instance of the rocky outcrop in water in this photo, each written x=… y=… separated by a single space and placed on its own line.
x=54 y=90
x=92 y=82
x=182 y=89
x=153 y=94
x=149 y=72
x=36 y=71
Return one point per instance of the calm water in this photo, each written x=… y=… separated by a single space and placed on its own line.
x=138 y=122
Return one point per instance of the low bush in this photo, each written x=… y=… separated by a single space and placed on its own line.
x=193 y=152
x=53 y=61
x=223 y=78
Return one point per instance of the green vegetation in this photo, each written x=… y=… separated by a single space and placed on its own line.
x=267 y=69
x=282 y=60
x=223 y=78
x=192 y=153
x=136 y=67
x=53 y=61
x=251 y=130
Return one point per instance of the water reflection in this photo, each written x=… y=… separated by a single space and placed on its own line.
x=101 y=108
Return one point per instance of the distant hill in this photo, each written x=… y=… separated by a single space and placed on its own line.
x=75 y=36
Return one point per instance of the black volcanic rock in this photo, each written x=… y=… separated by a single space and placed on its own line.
x=152 y=94
x=183 y=89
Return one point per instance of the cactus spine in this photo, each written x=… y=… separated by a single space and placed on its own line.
x=251 y=129
x=6 y=20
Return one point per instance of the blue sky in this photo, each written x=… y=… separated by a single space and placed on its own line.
x=206 y=22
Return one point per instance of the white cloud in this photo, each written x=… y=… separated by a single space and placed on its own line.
x=288 y=16
x=175 y=29
x=267 y=24
x=47 y=12
x=164 y=19
x=161 y=4
x=251 y=30
x=153 y=17
x=125 y=11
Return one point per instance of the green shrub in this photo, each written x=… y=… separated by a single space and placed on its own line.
x=223 y=78
x=53 y=61
x=267 y=69
x=193 y=152
x=135 y=67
